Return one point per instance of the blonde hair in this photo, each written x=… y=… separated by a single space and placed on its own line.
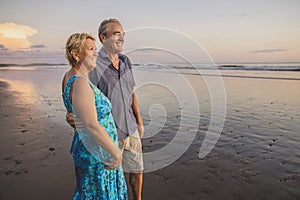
x=74 y=43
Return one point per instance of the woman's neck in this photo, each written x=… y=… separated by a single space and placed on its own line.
x=80 y=71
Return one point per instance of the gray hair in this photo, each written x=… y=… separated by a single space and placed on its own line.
x=103 y=26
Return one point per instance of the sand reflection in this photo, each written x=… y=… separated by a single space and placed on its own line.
x=24 y=92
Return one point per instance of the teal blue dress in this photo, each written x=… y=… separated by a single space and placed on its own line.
x=93 y=181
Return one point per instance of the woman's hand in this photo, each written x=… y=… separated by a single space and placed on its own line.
x=116 y=161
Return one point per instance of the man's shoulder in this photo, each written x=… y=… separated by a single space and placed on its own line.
x=124 y=58
x=101 y=65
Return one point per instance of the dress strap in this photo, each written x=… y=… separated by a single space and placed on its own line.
x=70 y=81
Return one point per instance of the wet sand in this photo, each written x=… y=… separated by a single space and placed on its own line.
x=256 y=157
x=35 y=163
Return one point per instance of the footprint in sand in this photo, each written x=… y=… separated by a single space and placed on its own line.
x=18 y=161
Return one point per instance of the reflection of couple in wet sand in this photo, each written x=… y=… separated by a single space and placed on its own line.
x=98 y=89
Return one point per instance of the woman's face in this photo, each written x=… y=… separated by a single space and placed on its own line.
x=88 y=55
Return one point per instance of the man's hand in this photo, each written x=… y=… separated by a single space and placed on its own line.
x=74 y=121
x=141 y=130
x=70 y=119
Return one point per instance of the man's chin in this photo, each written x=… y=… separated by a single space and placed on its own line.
x=119 y=50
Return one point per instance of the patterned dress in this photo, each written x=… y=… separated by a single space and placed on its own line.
x=93 y=182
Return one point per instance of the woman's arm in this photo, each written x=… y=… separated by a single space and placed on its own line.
x=83 y=100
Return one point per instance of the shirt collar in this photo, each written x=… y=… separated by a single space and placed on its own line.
x=102 y=53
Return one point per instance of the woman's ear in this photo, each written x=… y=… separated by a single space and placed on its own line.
x=75 y=56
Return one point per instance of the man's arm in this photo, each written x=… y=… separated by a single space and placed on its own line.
x=137 y=114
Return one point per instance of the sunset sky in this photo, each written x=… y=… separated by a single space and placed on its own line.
x=34 y=31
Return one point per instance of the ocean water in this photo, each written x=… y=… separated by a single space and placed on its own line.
x=287 y=71
x=264 y=66
x=284 y=66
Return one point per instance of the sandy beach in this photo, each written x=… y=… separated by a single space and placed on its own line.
x=35 y=160
x=256 y=157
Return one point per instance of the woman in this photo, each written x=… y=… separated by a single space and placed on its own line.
x=96 y=178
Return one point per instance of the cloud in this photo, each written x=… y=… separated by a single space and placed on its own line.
x=3 y=48
x=269 y=50
x=38 y=46
x=15 y=36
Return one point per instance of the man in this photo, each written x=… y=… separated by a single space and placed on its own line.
x=113 y=76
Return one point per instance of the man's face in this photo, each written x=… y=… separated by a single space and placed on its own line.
x=113 y=40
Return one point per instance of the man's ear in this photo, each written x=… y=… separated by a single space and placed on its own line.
x=102 y=37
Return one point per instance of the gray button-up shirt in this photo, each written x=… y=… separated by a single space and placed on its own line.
x=117 y=85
